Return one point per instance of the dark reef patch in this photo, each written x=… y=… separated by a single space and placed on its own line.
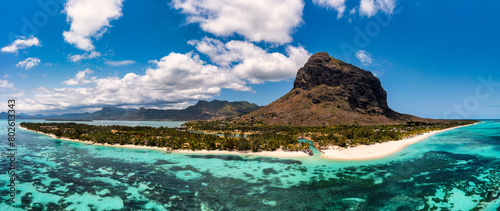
x=240 y=158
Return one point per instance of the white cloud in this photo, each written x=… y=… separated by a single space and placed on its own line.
x=367 y=8
x=42 y=90
x=258 y=66
x=173 y=79
x=250 y=62
x=370 y=7
x=6 y=84
x=78 y=57
x=338 y=5
x=387 y=6
x=89 y=18
x=81 y=78
x=257 y=20
x=14 y=95
x=364 y=57
x=120 y=63
x=378 y=74
x=21 y=43
x=352 y=14
x=353 y=11
x=175 y=106
x=29 y=63
x=23 y=76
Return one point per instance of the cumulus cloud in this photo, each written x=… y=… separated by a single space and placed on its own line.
x=21 y=43
x=81 y=78
x=89 y=18
x=364 y=57
x=29 y=63
x=173 y=79
x=250 y=62
x=120 y=63
x=257 y=20
x=370 y=7
x=338 y=5
x=78 y=57
x=6 y=84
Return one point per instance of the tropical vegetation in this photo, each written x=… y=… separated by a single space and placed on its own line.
x=170 y=138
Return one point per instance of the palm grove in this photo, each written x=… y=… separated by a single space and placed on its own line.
x=232 y=136
x=171 y=138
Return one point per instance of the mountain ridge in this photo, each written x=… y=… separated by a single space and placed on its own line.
x=203 y=110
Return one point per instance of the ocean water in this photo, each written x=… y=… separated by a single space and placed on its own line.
x=454 y=170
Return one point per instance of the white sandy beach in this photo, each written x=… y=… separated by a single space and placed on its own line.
x=367 y=152
x=277 y=154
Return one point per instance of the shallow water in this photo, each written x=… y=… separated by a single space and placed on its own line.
x=457 y=170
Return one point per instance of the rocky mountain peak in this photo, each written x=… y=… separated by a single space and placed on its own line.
x=358 y=87
x=328 y=91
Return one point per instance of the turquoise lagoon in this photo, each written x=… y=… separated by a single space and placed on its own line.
x=454 y=170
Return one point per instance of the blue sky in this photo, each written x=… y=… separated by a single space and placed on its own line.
x=435 y=59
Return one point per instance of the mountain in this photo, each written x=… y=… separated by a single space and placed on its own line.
x=109 y=113
x=4 y=115
x=203 y=110
x=217 y=109
x=328 y=91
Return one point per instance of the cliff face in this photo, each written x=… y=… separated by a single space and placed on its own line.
x=358 y=87
x=328 y=91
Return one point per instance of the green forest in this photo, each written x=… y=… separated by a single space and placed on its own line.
x=225 y=135
x=170 y=138
x=340 y=135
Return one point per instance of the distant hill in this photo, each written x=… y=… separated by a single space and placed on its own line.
x=328 y=91
x=4 y=115
x=203 y=110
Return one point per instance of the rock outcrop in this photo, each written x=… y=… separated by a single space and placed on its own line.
x=328 y=91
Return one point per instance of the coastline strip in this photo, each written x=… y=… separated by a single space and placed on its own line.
x=379 y=150
x=276 y=154
x=357 y=153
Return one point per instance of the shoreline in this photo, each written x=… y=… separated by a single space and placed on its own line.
x=378 y=150
x=276 y=154
x=357 y=153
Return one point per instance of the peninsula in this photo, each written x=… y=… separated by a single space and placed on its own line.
x=341 y=109
x=337 y=106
